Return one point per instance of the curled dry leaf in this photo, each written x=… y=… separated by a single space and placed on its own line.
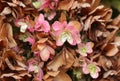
x=62 y=77
x=105 y=63
x=65 y=5
x=111 y=36
x=116 y=21
x=62 y=17
x=111 y=50
x=6 y=11
x=76 y=24
x=11 y=67
x=64 y=59
x=110 y=72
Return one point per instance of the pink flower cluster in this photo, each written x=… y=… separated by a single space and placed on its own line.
x=62 y=32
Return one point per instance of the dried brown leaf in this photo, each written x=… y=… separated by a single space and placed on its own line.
x=116 y=21
x=105 y=63
x=62 y=17
x=76 y=24
x=9 y=64
x=64 y=59
x=111 y=50
x=6 y=75
x=62 y=77
x=53 y=73
x=9 y=34
x=65 y=5
x=6 y=11
x=110 y=73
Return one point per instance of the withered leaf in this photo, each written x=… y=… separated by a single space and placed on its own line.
x=7 y=32
x=53 y=73
x=6 y=75
x=65 y=4
x=6 y=11
x=64 y=59
x=62 y=17
x=9 y=64
x=105 y=63
x=62 y=77
x=111 y=50
x=110 y=72
x=76 y=24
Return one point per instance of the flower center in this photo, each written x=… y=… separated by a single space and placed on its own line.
x=83 y=50
x=36 y=69
x=65 y=36
x=92 y=68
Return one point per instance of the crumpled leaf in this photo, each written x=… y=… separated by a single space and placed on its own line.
x=105 y=63
x=110 y=72
x=64 y=59
x=65 y=5
x=9 y=35
x=111 y=50
x=116 y=21
x=13 y=68
x=62 y=77
x=6 y=11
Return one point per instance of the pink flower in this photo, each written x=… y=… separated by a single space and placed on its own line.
x=65 y=32
x=50 y=15
x=84 y=49
x=42 y=24
x=42 y=4
x=33 y=66
x=30 y=40
x=46 y=52
x=22 y=24
x=91 y=68
x=37 y=4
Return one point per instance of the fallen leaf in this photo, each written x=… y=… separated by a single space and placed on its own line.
x=65 y=5
x=64 y=59
x=111 y=50
x=62 y=77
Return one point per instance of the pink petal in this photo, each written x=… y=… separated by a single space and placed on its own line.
x=72 y=42
x=40 y=74
x=76 y=38
x=31 y=29
x=16 y=22
x=83 y=54
x=85 y=70
x=45 y=27
x=30 y=40
x=75 y=34
x=39 y=21
x=59 y=42
x=51 y=50
x=98 y=69
x=89 y=48
x=95 y=75
x=52 y=15
x=44 y=4
x=30 y=68
x=40 y=18
x=57 y=26
x=45 y=54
